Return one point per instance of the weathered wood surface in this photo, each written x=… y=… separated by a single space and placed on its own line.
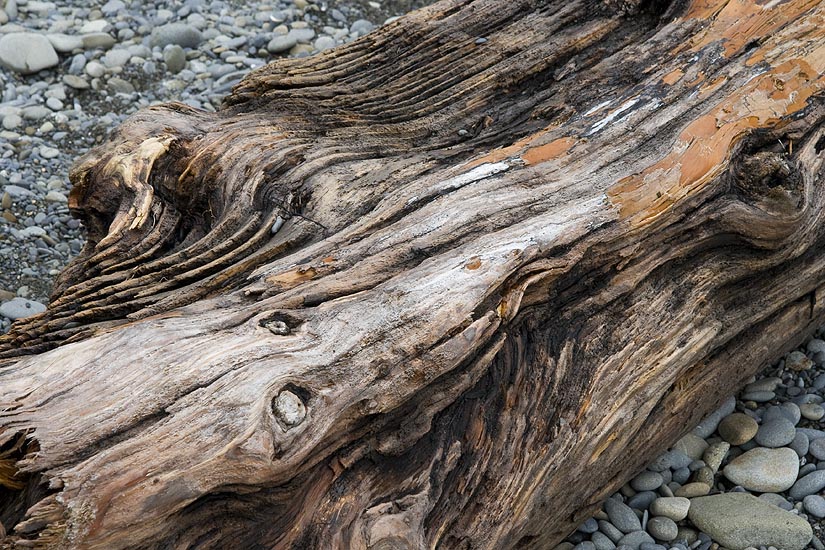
x=424 y=290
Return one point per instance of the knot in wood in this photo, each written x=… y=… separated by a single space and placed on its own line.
x=277 y=327
x=289 y=408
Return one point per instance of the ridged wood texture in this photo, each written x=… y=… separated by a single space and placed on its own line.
x=445 y=287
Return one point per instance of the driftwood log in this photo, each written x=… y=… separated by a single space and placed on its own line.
x=445 y=287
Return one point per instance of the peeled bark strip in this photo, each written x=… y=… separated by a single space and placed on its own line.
x=445 y=287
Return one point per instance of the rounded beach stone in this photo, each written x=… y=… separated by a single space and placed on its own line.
x=775 y=433
x=635 y=539
x=808 y=485
x=817 y=449
x=26 y=52
x=814 y=505
x=738 y=428
x=812 y=411
x=663 y=528
x=690 y=490
x=715 y=454
x=739 y=520
x=601 y=542
x=675 y=508
x=764 y=470
x=692 y=445
x=800 y=444
x=647 y=481
x=798 y=361
x=622 y=516
x=610 y=530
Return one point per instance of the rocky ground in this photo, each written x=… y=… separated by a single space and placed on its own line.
x=70 y=71
x=751 y=475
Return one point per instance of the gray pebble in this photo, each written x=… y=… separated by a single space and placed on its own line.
x=281 y=43
x=602 y=542
x=817 y=448
x=775 y=433
x=808 y=485
x=589 y=526
x=96 y=40
x=361 y=27
x=758 y=396
x=182 y=34
x=26 y=52
x=585 y=545
x=635 y=539
x=663 y=528
x=681 y=475
x=814 y=505
x=18 y=308
x=647 y=481
x=610 y=530
x=800 y=443
x=622 y=516
x=324 y=43
x=642 y=500
x=175 y=58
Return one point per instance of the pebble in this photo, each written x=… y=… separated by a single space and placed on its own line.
x=622 y=516
x=812 y=411
x=817 y=449
x=690 y=490
x=739 y=520
x=662 y=528
x=602 y=542
x=814 y=505
x=635 y=539
x=75 y=82
x=777 y=432
x=738 y=428
x=808 y=485
x=798 y=361
x=26 y=52
x=647 y=481
x=96 y=40
x=692 y=445
x=95 y=69
x=670 y=460
x=281 y=44
x=675 y=508
x=18 y=308
x=12 y=121
x=800 y=444
x=710 y=423
x=175 y=58
x=764 y=470
x=65 y=43
x=758 y=396
x=610 y=530
x=182 y=34
x=715 y=454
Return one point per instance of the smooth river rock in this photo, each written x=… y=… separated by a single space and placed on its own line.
x=26 y=52
x=740 y=520
x=764 y=470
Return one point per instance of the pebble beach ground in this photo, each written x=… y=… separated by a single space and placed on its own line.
x=750 y=476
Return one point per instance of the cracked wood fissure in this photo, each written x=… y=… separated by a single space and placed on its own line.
x=445 y=287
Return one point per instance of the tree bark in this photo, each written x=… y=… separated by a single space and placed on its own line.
x=448 y=286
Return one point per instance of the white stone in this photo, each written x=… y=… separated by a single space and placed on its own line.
x=26 y=52
x=18 y=308
x=764 y=470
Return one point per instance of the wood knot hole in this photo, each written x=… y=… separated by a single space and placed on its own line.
x=289 y=408
x=277 y=327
